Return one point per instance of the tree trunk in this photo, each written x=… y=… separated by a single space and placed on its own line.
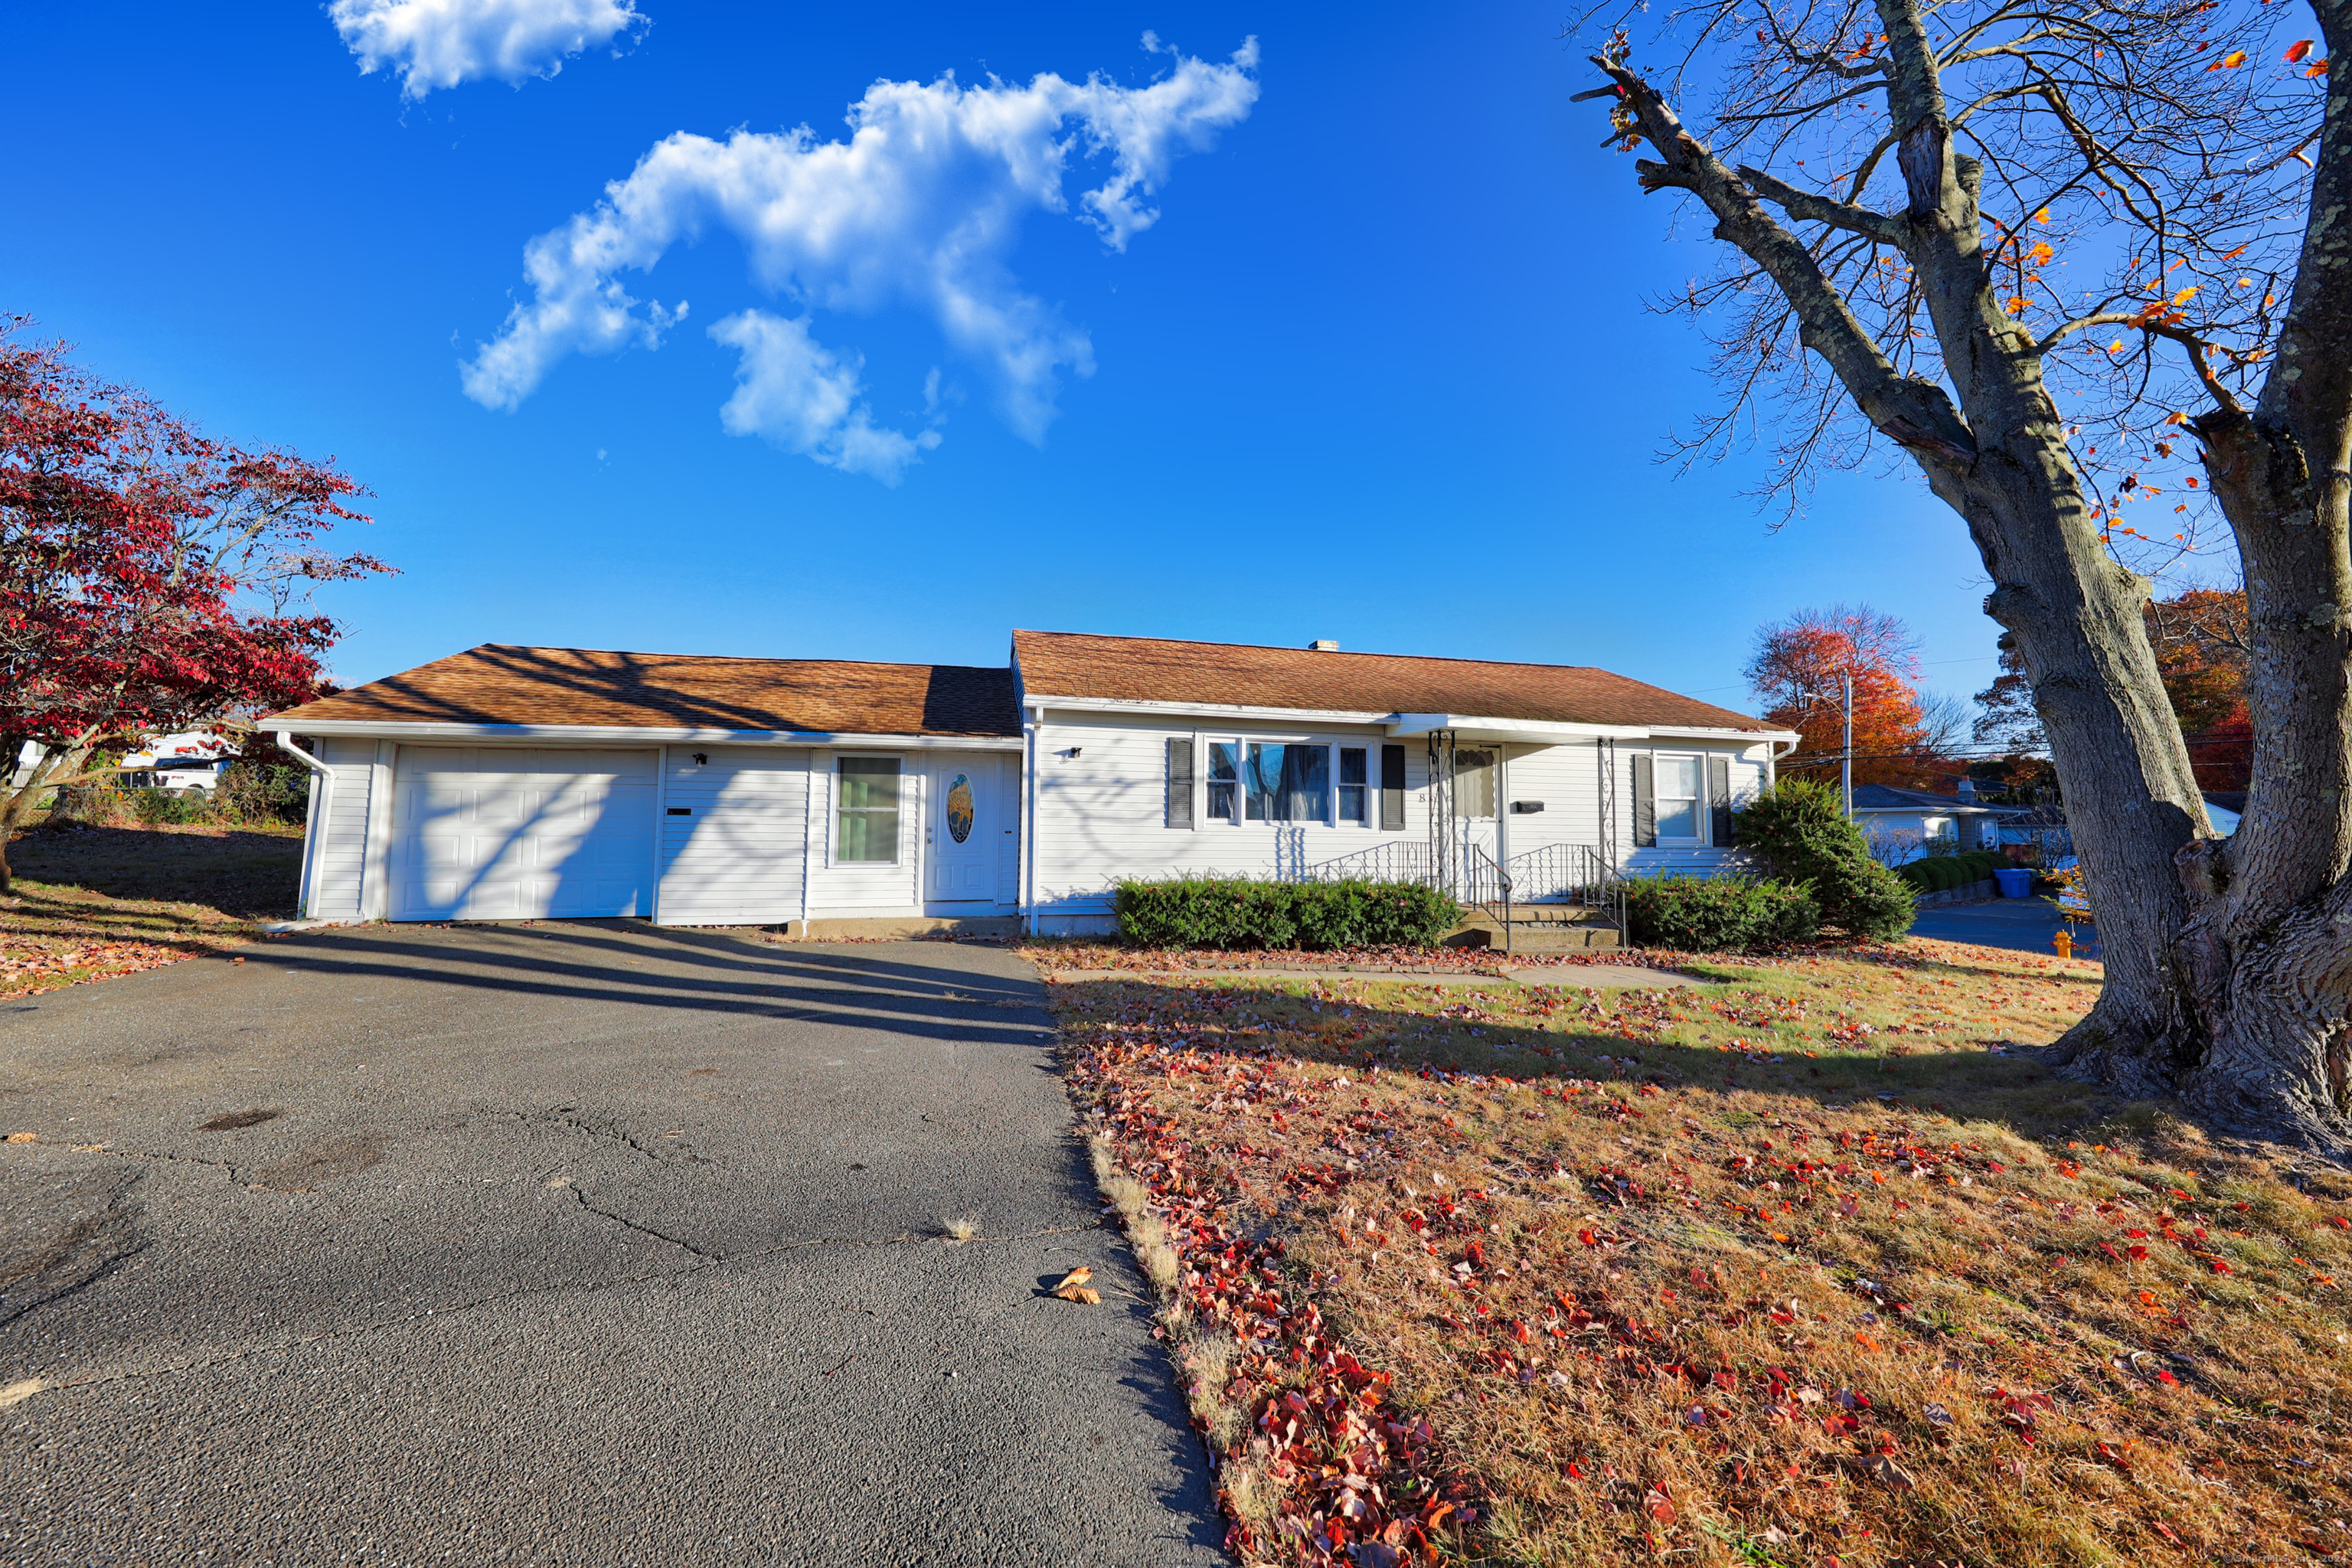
x=2229 y=962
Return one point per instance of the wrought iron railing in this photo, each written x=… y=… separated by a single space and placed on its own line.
x=1486 y=885
x=1554 y=874
x=1575 y=874
x=1398 y=860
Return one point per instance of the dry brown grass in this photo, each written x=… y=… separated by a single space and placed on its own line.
x=94 y=902
x=1816 y=1265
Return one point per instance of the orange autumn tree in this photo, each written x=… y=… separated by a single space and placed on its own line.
x=2201 y=640
x=1798 y=674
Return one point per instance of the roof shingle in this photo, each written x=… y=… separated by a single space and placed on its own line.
x=1148 y=669
x=502 y=684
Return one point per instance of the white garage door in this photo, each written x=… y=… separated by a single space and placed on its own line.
x=514 y=832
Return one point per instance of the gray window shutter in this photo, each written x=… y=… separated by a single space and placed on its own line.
x=1645 y=804
x=1718 y=801
x=1180 y=781
x=1391 y=788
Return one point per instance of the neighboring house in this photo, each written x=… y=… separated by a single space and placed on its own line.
x=2042 y=828
x=509 y=782
x=1901 y=823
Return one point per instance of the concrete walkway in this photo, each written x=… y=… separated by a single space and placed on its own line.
x=579 y=1243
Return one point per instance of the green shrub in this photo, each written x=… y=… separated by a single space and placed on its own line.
x=1718 y=914
x=1941 y=873
x=1233 y=912
x=253 y=792
x=1799 y=834
x=157 y=805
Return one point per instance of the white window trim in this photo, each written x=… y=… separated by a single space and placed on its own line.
x=833 y=826
x=1658 y=798
x=1370 y=787
x=1242 y=741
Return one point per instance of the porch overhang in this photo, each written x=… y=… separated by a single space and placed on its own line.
x=1553 y=732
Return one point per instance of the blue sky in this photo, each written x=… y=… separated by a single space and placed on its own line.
x=1380 y=371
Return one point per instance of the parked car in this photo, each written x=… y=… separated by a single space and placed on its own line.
x=185 y=775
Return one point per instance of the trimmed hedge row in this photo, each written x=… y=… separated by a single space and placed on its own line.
x=1937 y=873
x=1245 y=912
x=1719 y=914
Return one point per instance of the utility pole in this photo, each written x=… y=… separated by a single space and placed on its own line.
x=1846 y=763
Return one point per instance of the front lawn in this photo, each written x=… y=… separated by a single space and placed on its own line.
x=1813 y=1264
x=94 y=902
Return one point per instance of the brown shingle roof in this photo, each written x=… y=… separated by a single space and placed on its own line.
x=499 y=684
x=1147 y=669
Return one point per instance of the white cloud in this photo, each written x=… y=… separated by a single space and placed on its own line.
x=440 y=43
x=919 y=205
x=803 y=397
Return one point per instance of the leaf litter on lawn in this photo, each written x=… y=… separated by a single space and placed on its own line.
x=1812 y=1264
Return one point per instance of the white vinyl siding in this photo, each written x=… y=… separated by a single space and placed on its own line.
x=1703 y=860
x=865 y=888
x=734 y=836
x=1101 y=815
x=338 y=851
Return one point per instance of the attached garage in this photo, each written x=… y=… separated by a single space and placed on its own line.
x=512 y=782
x=488 y=833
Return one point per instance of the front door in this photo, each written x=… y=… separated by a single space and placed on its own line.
x=960 y=837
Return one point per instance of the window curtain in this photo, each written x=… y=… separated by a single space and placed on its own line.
x=1289 y=784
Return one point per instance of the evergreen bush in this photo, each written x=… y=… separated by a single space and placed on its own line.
x=1797 y=830
x=1245 y=912
x=1718 y=914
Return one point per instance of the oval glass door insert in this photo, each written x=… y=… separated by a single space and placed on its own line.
x=959 y=808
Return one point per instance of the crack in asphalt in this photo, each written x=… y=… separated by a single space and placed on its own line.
x=154 y=1156
x=704 y=1262
x=624 y=1221
x=565 y=1116
x=73 y=1257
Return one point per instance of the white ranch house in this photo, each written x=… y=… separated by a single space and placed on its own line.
x=834 y=797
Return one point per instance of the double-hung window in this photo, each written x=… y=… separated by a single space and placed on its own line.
x=1224 y=779
x=1681 y=790
x=1355 y=787
x=866 y=813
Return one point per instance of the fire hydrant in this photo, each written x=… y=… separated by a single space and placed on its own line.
x=2064 y=942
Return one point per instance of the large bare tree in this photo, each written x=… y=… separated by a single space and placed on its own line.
x=2060 y=255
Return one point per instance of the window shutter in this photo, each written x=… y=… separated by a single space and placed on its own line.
x=1180 y=781
x=1391 y=788
x=1645 y=804
x=1718 y=800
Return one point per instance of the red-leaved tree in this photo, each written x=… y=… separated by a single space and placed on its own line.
x=152 y=579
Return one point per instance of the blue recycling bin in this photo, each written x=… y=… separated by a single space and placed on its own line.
x=2016 y=881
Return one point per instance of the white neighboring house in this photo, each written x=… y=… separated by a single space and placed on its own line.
x=834 y=797
x=1900 y=823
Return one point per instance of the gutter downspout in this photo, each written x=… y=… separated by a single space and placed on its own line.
x=322 y=780
x=1033 y=716
x=1772 y=760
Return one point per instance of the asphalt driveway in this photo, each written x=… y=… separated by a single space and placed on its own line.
x=567 y=1242
x=2024 y=924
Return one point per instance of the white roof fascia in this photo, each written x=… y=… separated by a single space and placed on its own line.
x=1753 y=737
x=1115 y=705
x=639 y=735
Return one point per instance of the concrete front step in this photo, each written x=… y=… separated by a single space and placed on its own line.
x=1551 y=935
